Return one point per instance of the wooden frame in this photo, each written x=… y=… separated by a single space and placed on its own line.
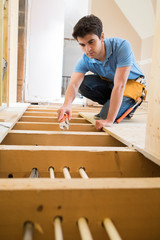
x=1 y=48
x=121 y=183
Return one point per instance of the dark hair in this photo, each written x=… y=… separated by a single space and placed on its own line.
x=89 y=24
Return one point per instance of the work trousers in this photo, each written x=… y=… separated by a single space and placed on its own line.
x=99 y=90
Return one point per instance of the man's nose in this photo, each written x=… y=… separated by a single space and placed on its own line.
x=88 y=48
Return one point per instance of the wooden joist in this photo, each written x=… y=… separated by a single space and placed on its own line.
x=24 y=137
x=132 y=204
x=48 y=114
x=49 y=119
x=43 y=126
x=18 y=161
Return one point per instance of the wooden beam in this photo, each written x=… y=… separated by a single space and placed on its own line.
x=132 y=204
x=47 y=114
x=43 y=126
x=152 y=144
x=13 y=48
x=50 y=119
x=5 y=54
x=74 y=110
x=22 y=137
x=1 y=48
x=99 y=162
x=6 y=126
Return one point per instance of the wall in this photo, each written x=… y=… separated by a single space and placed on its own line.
x=45 y=35
x=74 y=10
x=115 y=23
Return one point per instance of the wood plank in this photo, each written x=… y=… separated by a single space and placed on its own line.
x=5 y=53
x=7 y=116
x=43 y=126
x=50 y=119
x=152 y=144
x=19 y=109
x=47 y=114
x=18 y=161
x=132 y=204
x=13 y=49
x=1 y=48
x=22 y=137
x=130 y=132
x=74 y=110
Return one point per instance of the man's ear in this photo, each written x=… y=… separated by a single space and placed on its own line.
x=102 y=36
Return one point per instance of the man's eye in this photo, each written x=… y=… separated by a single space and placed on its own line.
x=82 y=45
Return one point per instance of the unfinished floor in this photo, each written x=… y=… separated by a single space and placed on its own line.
x=92 y=185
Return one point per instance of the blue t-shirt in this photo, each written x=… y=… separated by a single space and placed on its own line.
x=118 y=54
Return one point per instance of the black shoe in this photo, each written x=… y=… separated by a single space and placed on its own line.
x=97 y=116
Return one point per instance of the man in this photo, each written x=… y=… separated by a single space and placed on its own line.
x=113 y=63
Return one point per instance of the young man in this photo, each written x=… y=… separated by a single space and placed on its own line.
x=113 y=63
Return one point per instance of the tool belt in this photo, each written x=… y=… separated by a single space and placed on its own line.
x=134 y=88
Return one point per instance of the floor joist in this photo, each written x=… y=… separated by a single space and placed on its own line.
x=22 y=137
x=18 y=161
x=132 y=204
x=43 y=126
x=50 y=119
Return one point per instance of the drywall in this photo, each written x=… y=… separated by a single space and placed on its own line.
x=140 y=14
x=45 y=33
x=74 y=10
x=116 y=24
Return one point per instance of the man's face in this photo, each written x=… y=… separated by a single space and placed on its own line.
x=92 y=45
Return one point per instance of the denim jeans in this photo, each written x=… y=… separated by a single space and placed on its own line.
x=99 y=90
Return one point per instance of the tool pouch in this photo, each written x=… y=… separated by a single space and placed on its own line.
x=134 y=90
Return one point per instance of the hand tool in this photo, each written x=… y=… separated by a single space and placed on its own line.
x=64 y=122
x=139 y=100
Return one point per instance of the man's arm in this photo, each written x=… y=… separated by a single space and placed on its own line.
x=75 y=82
x=120 y=80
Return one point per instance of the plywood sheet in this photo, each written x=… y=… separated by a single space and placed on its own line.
x=17 y=109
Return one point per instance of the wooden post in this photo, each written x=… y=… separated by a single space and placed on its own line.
x=153 y=122
x=1 y=48
x=13 y=6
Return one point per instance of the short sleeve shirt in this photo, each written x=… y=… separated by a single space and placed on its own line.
x=118 y=54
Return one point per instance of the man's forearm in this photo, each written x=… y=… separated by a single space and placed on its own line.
x=115 y=103
x=70 y=95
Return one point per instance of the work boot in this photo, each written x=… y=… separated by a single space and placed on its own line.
x=104 y=111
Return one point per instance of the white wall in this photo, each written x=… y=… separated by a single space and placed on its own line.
x=44 y=58
x=74 y=10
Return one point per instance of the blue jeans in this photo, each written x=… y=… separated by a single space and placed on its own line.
x=99 y=90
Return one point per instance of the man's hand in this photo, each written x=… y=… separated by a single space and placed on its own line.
x=61 y=111
x=102 y=123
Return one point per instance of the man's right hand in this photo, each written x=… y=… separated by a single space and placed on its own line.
x=61 y=111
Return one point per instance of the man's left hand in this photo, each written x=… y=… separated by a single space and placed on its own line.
x=102 y=123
